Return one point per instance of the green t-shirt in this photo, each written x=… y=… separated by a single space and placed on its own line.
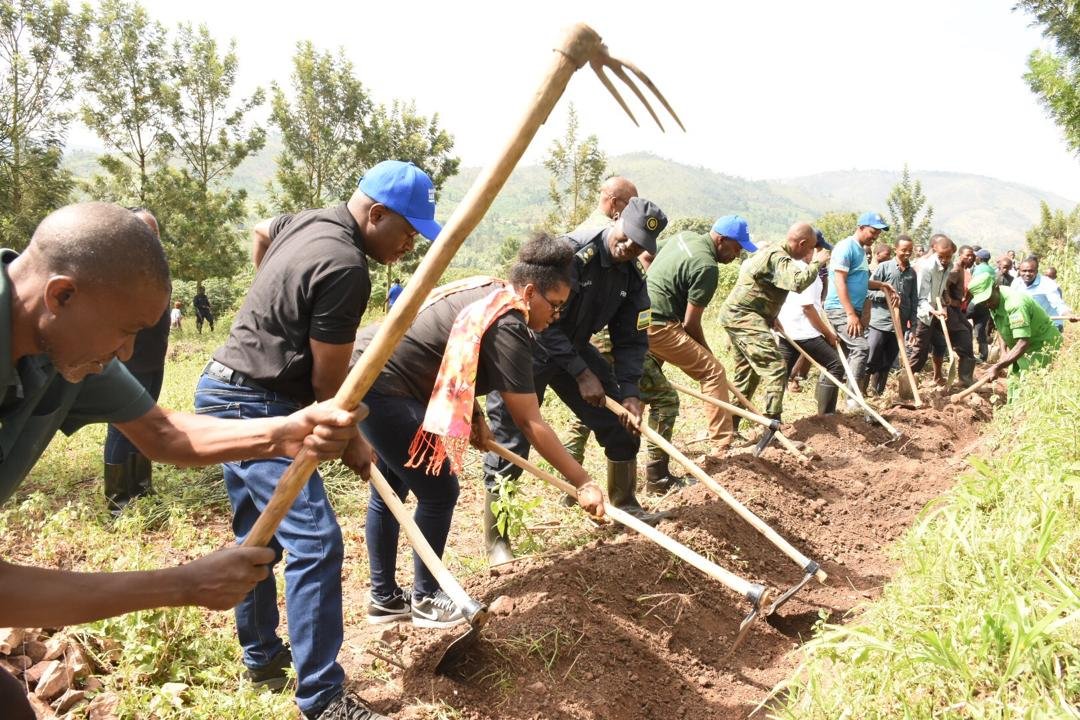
x=684 y=271
x=1018 y=316
x=35 y=401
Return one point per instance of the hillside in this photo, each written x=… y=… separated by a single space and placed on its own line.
x=970 y=208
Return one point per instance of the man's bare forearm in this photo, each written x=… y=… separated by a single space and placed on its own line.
x=38 y=597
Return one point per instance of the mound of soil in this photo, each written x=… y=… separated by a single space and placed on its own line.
x=620 y=629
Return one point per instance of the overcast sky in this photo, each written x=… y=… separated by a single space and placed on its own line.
x=766 y=89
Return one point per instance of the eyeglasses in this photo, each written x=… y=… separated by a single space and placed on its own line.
x=556 y=308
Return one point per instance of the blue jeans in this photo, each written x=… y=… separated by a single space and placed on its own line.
x=389 y=427
x=117 y=446
x=312 y=537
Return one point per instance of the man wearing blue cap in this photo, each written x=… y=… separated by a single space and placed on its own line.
x=682 y=281
x=849 y=285
x=290 y=345
x=753 y=304
x=608 y=290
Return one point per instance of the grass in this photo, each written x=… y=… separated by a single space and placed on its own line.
x=983 y=620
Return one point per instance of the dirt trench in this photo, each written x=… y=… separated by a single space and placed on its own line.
x=619 y=629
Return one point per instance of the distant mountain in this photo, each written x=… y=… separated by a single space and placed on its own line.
x=969 y=208
x=972 y=209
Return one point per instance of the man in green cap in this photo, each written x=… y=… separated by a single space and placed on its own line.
x=1029 y=336
x=751 y=308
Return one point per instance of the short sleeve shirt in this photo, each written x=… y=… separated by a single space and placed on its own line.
x=792 y=317
x=849 y=256
x=312 y=284
x=1018 y=316
x=505 y=364
x=35 y=401
x=683 y=272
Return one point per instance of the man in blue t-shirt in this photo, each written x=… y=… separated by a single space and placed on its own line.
x=849 y=284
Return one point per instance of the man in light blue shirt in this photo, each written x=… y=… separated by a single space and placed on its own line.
x=849 y=284
x=1042 y=290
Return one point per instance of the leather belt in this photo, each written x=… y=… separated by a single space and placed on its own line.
x=227 y=375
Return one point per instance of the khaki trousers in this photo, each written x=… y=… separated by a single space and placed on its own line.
x=670 y=343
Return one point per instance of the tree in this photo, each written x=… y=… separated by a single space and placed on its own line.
x=905 y=202
x=39 y=47
x=324 y=131
x=125 y=67
x=836 y=226
x=398 y=132
x=577 y=169
x=699 y=224
x=1055 y=233
x=1054 y=75
x=209 y=136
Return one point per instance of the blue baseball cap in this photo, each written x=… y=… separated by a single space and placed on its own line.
x=734 y=227
x=874 y=220
x=405 y=189
x=821 y=241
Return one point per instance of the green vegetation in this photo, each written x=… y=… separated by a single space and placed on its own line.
x=1057 y=232
x=577 y=168
x=909 y=213
x=983 y=619
x=1054 y=74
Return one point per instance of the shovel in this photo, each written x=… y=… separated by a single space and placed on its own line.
x=580 y=46
x=809 y=567
x=954 y=359
x=475 y=613
x=843 y=386
x=908 y=387
x=754 y=593
x=771 y=425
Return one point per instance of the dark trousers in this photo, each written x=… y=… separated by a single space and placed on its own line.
x=202 y=314
x=618 y=442
x=312 y=538
x=13 y=702
x=980 y=316
x=883 y=351
x=924 y=339
x=389 y=427
x=117 y=446
x=820 y=350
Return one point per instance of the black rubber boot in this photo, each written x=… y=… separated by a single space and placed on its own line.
x=139 y=476
x=659 y=480
x=498 y=545
x=826 y=395
x=966 y=371
x=621 y=478
x=116 y=487
x=880 y=380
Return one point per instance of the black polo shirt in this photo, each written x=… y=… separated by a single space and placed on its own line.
x=312 y=284
x=505 y=362
x=35 y=401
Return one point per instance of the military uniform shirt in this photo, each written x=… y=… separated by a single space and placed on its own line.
x=684 y=272
x=765 y=279
x=603 y=294
x=35 y=401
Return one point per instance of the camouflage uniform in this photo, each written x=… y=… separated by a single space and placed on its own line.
x=656 y=392
x=748 y=315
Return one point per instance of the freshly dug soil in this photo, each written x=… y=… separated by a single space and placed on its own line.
x=620 y=629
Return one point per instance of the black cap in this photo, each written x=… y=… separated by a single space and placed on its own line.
x=821 y=241
x=642 y=222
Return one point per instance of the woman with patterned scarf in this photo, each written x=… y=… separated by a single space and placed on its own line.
x=469 y=338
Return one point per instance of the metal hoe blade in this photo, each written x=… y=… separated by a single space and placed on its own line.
x=457 y=651
x=810 y=570
x=766 y=437
x=757 y=595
